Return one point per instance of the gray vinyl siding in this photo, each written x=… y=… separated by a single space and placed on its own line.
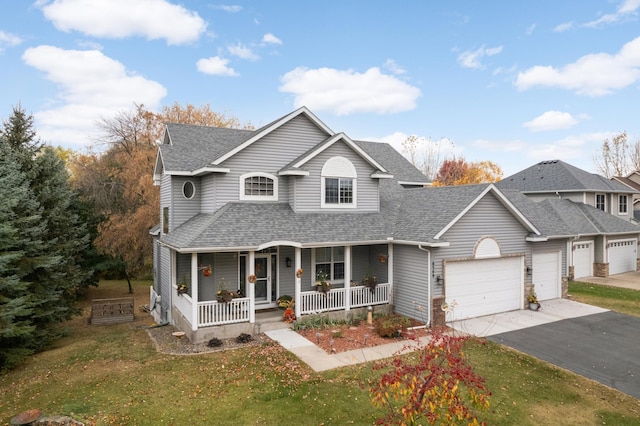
x=410 y=282
x=208 y=194
x=225 y=269
x=309 y=188
x=367 y=259
x=183 y=209
x=165 y=283
x=266 y=155
x=287 y=276
x=165 y=199
x=488 y=218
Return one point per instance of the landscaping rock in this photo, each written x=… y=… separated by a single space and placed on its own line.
x=57 y=421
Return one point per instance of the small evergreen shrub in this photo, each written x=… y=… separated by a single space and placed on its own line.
x=214 y=343
x=392 y=325
x=244 y=338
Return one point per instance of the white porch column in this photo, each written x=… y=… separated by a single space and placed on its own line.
x=194 y=291
x=347 y=278
x=298 y=280
x=390 y=271
x=252 y=288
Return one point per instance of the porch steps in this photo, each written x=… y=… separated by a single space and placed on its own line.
x=270 y=320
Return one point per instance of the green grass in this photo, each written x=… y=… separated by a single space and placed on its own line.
x=112 y=375
x=617 y=299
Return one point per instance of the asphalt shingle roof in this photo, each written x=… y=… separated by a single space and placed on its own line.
x=556 y=175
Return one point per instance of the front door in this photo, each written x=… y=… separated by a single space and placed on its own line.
x=263 y=278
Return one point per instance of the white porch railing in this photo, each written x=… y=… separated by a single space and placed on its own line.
x=363 y=296
x=183 y=304
x=312 y=302
x=214 y=313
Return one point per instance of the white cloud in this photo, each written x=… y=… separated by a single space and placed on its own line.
x=8 y=40
x=626 y=9
x=393 y=67
x=346 y=91
x=92 y=86
x=228 y=8
x=215 y=65
x=569 y=148
x=595 y=74
x=551 y=120
x=271 y=39
x=473 y=58
x=152 y=19
x=530 y=29
x=243 y=52
x=565 y=26
x=499 y=146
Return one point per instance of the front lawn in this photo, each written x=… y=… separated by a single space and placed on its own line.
x=113 y=375
x=623 y=300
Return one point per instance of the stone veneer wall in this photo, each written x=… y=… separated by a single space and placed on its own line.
x=572 y=273
x=438 y=316
x=601 y=270
x=565 y=287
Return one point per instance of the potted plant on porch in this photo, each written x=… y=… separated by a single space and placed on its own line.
x=370 y=281
x=534 y=305
x=322 y=282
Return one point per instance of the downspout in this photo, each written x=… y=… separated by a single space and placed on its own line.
x=428 y=282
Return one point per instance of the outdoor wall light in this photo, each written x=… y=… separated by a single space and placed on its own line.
x=529 y=270
x=439 y=279
x=287 y=262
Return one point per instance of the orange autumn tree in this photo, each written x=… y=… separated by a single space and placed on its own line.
x=457 y=171
x=119 y=181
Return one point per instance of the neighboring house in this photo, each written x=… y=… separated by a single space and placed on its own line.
x=632 y=180
x=601 y=251
x=246 y=210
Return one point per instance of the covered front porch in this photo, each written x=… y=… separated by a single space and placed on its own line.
x=257 y=278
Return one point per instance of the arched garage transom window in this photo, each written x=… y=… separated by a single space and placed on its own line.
x=258 y=187
x=338 y=183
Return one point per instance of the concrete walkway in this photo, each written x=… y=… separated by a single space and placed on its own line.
x=319 y=360
x=551 y=311
x=627 y=280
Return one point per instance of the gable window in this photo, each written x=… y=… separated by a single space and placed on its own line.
x=338 y=183
x=165 y=220
x=188 y=190
x=600 y=204
x=622 y=204
x=258 y=187
x=330 y=260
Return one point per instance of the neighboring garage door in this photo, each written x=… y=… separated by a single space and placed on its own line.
x=546 y=275
x=484 y=287
x=622 y=256
x=582 y=260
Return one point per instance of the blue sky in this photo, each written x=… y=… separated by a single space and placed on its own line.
x=506 y=81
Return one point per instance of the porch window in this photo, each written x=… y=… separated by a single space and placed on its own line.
x=600 y=203
x=258 y=187
x=165 y=220
x=622 y=204
x=330 y=260
x=338 y=184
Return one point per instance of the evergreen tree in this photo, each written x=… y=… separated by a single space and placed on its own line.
x=42 y=241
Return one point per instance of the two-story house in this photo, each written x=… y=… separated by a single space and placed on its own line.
x=271 y=212
x=591 y=254
x=632 y=180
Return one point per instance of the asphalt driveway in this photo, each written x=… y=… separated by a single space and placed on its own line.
x=604 y=347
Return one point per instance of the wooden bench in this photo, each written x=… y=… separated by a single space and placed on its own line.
x=111 y=311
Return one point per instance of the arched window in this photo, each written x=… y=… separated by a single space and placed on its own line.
x=338 y=183
x=258 y=187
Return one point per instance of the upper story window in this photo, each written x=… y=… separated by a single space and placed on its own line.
x=622 y=204
x=338 y=183
x=258 y=187
x=165 y=220
x=188 y=190
x=600 y=203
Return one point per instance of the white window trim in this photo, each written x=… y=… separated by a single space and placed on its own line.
x=332 y=261
x=328 y=173
x=194 y=190
x=626 y=212
x=245 y=197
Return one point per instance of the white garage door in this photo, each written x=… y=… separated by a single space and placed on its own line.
x=622 y=256
x=484 y=287
x=546 y=275
x=582 y=260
